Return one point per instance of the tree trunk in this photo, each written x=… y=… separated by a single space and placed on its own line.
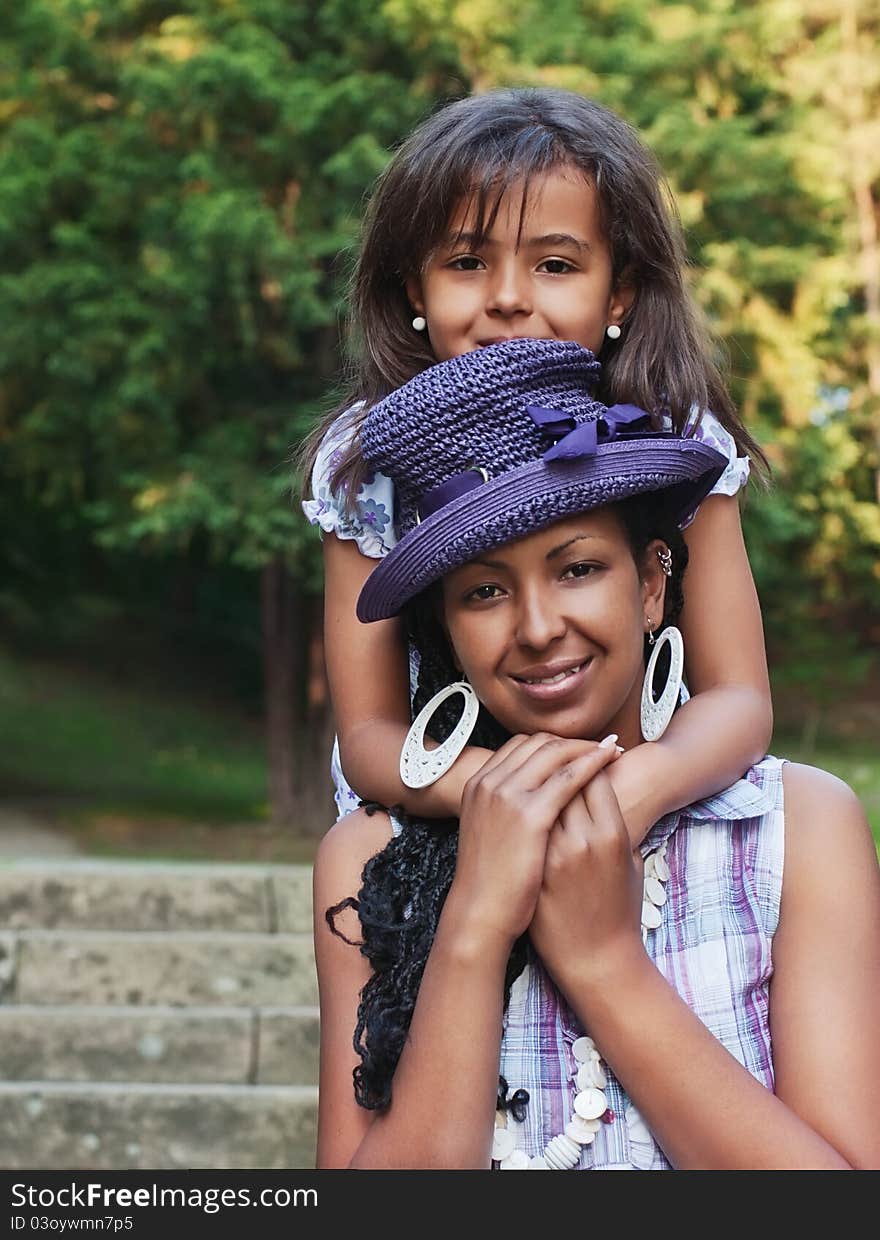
x=281 y=639
x=315 y=788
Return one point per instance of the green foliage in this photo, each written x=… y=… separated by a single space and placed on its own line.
x=180 y=187
x=815 y=527
x=177 y=182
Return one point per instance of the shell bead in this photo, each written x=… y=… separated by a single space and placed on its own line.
x=654 y=896
x=636 y=1126
x=590 y=1103
x=655 y=891
x=561 y=1154
x=581 y=1049
x=503 y=1144
x=591 y=1074
x=650 y=916
x=581 y=1130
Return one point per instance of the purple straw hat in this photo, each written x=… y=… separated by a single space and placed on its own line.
x=503 y=441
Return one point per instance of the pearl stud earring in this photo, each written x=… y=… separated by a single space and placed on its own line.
x=419 y=323
x=612 y=331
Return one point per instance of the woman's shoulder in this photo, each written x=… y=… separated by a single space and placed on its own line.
x=338 y=875
x=821 y=797
x=815 y=813
x=829 y=848
x=350 y=842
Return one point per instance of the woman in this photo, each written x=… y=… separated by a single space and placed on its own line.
x=677 y=1007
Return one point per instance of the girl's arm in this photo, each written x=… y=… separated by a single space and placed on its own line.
x=446 y=1083
x=703 y=1107
x=726 y=726
x=368 y=673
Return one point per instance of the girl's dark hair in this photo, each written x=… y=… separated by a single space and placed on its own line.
x=406 y=884
x=479 y=147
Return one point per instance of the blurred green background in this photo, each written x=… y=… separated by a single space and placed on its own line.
x=180 y=191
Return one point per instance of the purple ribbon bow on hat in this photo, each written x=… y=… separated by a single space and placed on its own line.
x=575 y=440
x=579 y=439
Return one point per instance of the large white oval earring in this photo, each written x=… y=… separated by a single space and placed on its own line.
x=419 y=323
x=656 y=714
x=421 y=767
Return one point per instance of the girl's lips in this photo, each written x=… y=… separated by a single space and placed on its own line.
x=487 y=340
x=554 y=691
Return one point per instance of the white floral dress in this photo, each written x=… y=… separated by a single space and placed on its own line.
x=371 y=524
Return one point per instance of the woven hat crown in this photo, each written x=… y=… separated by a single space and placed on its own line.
x=493 y=445
x=471 y=411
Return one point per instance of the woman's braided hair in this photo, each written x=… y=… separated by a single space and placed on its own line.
x=405 y=885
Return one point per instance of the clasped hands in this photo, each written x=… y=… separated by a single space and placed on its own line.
x=543 y=847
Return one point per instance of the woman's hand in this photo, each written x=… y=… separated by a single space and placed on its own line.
x=587 y=921
x=508 y=812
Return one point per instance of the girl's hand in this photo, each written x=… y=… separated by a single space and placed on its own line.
x=508 y=812
x=587 y=918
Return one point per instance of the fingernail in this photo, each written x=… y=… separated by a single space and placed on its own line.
x=609 y=741
x=620 y=748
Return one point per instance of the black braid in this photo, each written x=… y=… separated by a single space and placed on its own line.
x=404 y=887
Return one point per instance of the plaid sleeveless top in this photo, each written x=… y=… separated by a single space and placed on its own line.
x=713 y=945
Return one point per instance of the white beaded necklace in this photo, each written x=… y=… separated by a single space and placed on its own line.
x=591 y=1108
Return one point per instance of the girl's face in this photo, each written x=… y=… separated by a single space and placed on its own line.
x=549 y=630
x=551 y=282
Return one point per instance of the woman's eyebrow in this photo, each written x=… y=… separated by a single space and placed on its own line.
x=502 y=566
x=577 y=538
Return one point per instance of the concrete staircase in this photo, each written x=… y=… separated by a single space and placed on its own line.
x=156 y=1016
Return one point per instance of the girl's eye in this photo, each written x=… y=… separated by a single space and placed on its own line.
x=482 y=593
x=581 y=569
x=556 y=266
x=467 y=262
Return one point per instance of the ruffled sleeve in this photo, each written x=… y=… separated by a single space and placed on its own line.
x=736 y=474
x=371 y=523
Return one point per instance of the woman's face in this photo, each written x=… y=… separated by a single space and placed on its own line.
x=549 y=630
x=550 y=279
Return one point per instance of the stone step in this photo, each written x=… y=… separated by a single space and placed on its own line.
x=236 y=1046
x=114 y=895
x=45 y=1126
x=146 y=968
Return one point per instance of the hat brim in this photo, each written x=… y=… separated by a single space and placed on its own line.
x=532 y=497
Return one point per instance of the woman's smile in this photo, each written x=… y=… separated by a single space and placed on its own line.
x=553 y=682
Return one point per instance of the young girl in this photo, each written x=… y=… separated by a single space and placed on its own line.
x=633 y=998
x=535 y=214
